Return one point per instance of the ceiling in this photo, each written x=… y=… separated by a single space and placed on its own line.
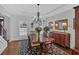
x=31 y=9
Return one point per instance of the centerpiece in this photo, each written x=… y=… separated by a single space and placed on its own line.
x=38 y=30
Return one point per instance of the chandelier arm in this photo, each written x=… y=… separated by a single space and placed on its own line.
x=37 y=20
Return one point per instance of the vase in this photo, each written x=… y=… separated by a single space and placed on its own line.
x=38 y=36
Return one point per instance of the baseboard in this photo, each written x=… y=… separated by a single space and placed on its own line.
x=75 y=52
x=61 y=45
x=16 y=40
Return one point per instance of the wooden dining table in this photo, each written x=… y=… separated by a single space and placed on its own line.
x=44 y=40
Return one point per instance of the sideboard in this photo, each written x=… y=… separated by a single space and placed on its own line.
x=61 y=38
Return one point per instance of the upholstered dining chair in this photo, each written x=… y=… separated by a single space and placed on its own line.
x=34 y=45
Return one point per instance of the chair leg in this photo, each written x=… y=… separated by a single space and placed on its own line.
x=43 y=49
x=52 y=48
x=30 y=51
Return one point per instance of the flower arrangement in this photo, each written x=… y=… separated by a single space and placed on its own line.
x=46 y=29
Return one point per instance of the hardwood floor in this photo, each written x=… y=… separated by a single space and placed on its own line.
x=12 y=48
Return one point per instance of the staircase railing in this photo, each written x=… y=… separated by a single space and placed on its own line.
x=3 y=32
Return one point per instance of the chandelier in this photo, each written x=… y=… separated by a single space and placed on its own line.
x=37 y=19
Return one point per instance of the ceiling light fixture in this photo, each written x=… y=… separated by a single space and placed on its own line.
x=37 y=20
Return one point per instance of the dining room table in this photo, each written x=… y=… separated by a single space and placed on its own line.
x=42 y=41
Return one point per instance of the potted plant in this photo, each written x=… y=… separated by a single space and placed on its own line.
x=38 y=30
x=46 y=29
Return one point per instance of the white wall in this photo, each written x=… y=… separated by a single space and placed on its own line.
x=69 y=14
x=11 y=24
x=14 y=26
x=7 y=26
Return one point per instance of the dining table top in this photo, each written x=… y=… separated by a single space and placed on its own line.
x=33 y=36
x=44 y=39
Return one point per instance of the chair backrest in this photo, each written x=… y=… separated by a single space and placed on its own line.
x=33 y=36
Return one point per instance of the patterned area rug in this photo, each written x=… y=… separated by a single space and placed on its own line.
x=24 y=47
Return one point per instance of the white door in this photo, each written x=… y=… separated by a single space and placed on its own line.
x=23 y=33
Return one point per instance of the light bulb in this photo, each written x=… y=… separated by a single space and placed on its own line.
x=64 y=24
x=56 y=24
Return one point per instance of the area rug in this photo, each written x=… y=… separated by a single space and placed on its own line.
x=23 y=50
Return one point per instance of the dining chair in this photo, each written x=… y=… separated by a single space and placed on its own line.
x=34 y=45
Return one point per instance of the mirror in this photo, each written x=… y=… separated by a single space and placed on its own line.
x=61 y=24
